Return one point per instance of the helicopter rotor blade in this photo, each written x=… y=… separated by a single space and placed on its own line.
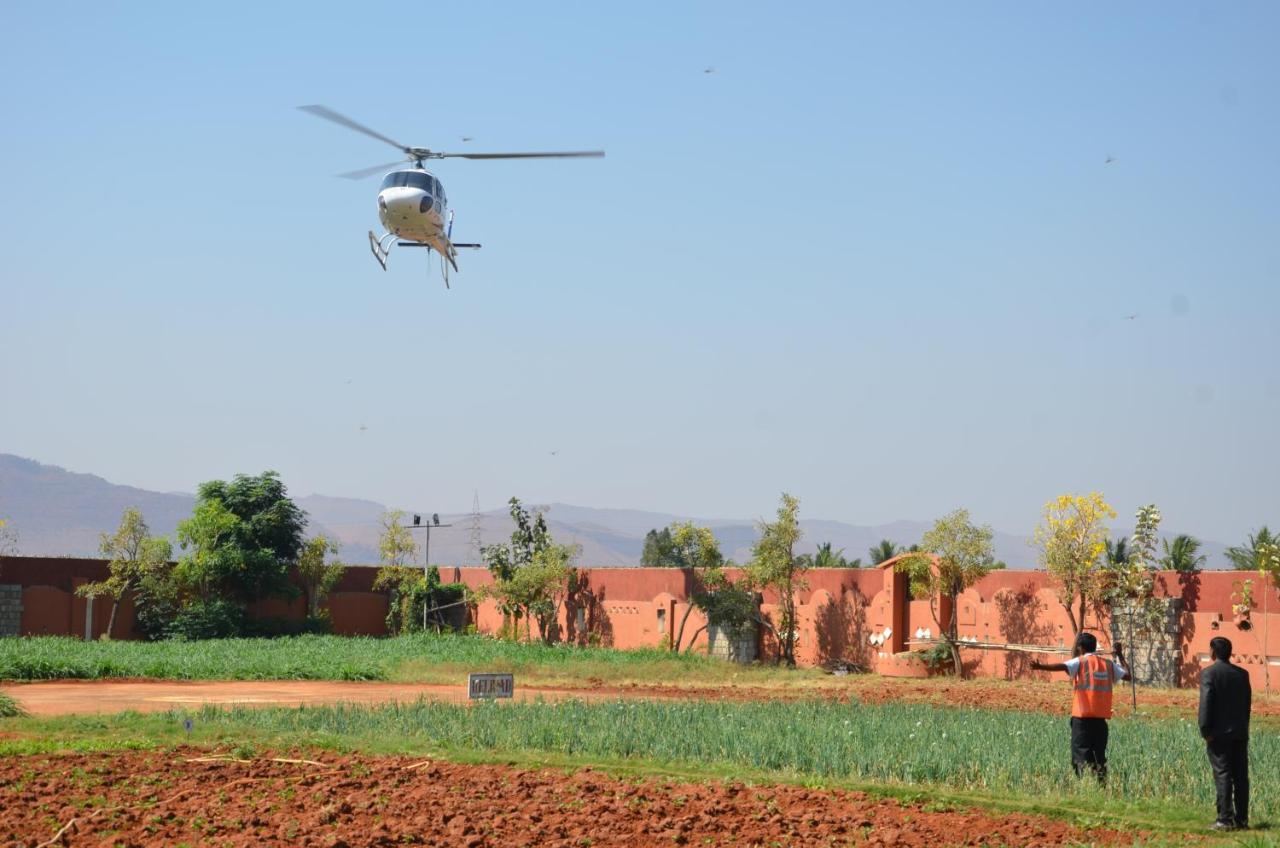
x=574 y=154
x=330 y=115
x=369 y=172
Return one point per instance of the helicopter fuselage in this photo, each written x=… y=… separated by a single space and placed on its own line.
x=412 y=205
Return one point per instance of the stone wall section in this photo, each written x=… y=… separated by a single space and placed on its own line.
x=10 y=609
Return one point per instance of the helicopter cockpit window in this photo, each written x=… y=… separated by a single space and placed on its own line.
x=418 y=180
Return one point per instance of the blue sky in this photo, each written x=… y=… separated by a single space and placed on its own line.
x=877 y=258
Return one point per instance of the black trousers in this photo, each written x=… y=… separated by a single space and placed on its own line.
x=1089 y=746
x=1230 y=761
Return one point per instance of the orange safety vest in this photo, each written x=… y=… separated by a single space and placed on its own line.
x=1093 y=682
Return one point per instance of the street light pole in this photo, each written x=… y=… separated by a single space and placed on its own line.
x=426 y=552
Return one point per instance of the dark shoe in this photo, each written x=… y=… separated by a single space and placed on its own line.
x=1242 y=825
x=1222 y=826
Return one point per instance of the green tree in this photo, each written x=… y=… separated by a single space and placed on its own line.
x=883 y=552
x=954 y=554
x=1247 y=557
x=396 y=546
x=538 y=588
x=1117 y=551
x=266 y=539
x=212 y=559
x=698 y=547
x=317 y=576
x=135 y=556
x=406 y=585
x=1073 y=541
x=660 y=551
x=1182 y=555
x=1269 y=561
x=826 y=557
x=774 y=565
x=407 y=590
x=531 y=574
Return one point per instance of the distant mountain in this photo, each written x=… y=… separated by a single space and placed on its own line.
x=62 y=513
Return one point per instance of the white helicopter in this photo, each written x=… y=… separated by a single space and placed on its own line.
x=411 y=202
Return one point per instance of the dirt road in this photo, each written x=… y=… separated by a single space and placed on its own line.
x=68 y=697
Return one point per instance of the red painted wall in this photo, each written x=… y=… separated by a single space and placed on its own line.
x=838 y=613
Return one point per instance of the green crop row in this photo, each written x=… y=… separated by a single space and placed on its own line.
x=416 y=657
x=991 y=752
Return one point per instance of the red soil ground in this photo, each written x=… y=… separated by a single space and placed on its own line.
x=157 y=798
x=110 y=696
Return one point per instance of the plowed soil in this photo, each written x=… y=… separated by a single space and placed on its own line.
x=168 y=798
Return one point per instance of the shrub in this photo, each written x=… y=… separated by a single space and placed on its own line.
x=9 y=708
x=213 y=619
x=275 y=627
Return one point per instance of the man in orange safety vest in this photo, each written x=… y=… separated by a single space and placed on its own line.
x=1092 y=678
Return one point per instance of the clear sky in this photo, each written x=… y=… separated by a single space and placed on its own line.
x=877 y=257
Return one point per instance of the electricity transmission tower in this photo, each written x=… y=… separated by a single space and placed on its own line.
x=476 y=540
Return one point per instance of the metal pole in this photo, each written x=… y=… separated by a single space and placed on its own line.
x=426 y=555
x=88 y=619
x=426 y=569
x=1133 y=674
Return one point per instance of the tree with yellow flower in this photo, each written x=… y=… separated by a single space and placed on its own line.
x=1073 y=544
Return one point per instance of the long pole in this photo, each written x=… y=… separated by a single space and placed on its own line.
x=426 y=569
x=1133 y=674
x=426 y=554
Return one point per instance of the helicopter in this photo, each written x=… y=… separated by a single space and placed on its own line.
x=411 y=201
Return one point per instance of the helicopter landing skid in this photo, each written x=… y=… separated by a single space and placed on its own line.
x=380 y=253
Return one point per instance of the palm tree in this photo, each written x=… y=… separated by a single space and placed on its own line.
x=827 y=558
x=1183 y=555
x=1117 y=551
x=1246 y=558
x=883 y=552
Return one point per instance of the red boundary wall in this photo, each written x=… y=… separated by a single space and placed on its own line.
x=838 y=613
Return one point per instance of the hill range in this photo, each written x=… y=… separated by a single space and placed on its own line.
x=55 y=512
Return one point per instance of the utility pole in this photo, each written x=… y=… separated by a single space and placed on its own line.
x=426 y=551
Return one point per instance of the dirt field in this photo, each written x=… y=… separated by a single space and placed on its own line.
x=168 y=798
x=66 y=697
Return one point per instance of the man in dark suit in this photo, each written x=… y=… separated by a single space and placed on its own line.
x=1225 y=696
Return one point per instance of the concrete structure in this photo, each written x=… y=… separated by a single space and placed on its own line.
x=10 y=609
x=838 y=615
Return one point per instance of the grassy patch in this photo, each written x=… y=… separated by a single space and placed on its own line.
x=1014 y=761
x=418 y=658
x=9 y=708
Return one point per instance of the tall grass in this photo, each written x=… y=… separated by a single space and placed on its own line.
x=429 y=658
x=980 y=750
x=9 y=708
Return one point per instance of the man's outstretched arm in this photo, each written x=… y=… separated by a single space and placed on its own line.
x=1042 y=666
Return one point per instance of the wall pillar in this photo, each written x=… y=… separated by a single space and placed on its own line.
x=895 y=583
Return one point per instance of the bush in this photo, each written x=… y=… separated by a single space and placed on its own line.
x=271 y=628
x=9 y=708
x=216 y=619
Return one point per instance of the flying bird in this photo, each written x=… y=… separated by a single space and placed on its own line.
x=466 y=138
x=363 y=428
x=708 y=70
x=1110 y=159
x=554 y=452
x=1131 y=317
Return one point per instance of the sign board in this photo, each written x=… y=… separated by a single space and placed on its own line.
x=490 y=685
